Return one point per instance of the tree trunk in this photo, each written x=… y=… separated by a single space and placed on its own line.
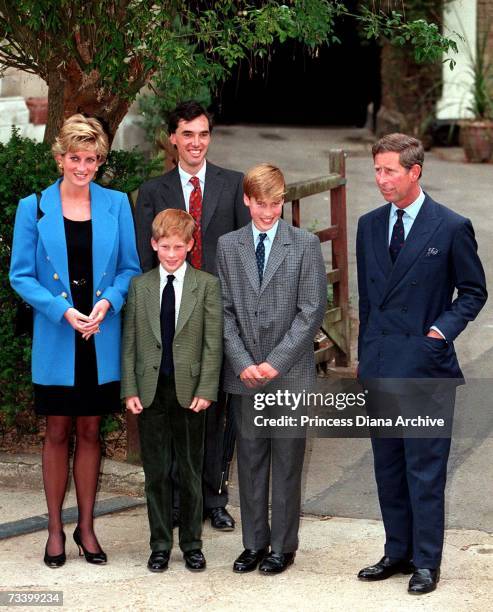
x=56 y=89
x=74 y=91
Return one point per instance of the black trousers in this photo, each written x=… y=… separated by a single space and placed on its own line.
x=167 y=429
x=213 y=458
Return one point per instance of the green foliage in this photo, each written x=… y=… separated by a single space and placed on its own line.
x=105 y=51
x=481 y=70
x=425 y=39
x=207 y=45
x=127 y=170
x=28 y=167
x=110 y=424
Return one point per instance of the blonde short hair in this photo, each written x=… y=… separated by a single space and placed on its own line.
x=264 y=181
x=79 y=133
x=173 y=222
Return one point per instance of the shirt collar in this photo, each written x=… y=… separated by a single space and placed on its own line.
x=185 y=176
x=178 y=274
x=413 y=209
x=271 y=234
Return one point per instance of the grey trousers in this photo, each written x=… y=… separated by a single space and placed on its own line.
x=257 y=458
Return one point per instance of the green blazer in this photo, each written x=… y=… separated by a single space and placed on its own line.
x=197 y=345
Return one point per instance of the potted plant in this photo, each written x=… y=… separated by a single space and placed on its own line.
x=477 y=133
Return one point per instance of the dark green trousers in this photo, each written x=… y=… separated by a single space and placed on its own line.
x=166 y=427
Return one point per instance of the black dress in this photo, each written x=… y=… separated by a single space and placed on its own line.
x=86 y=397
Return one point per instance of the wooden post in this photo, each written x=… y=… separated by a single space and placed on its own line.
x=338 y=217
x=295 y=213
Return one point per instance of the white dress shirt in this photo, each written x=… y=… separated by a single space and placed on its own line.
x=271 y=234
x=177 y=285
x=187 y=186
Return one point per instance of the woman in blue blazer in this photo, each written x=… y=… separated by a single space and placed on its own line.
x=72 y=261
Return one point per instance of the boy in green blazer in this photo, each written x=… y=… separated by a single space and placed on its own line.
x=171 y=361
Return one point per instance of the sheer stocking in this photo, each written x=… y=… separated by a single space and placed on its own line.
x=55 y=476
x=87 y=461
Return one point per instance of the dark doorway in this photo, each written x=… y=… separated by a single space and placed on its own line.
x=294 y=87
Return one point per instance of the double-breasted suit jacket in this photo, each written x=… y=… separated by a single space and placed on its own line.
x=197 y=343
x=39 y=274
x=399 y=303
x=223 y=210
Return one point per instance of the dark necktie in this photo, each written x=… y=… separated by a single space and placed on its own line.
x=397 y=238
x=168 y=325
x=260 y=255
x=195 y=209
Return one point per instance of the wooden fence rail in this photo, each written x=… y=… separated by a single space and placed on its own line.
x=336 y=325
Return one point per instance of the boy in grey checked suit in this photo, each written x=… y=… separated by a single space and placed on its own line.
x=274 y=289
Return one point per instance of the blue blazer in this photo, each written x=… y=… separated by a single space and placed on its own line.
x=39 y=274
x=399 y=303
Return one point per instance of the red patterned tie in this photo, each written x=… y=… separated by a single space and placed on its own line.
x=195 y=209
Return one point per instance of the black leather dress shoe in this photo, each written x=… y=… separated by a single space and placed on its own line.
x=194 y=560
x=221 y=519
x=275 y=563
x=386 y=568
x=423 y=581
x=248 y=560
x=158 y=561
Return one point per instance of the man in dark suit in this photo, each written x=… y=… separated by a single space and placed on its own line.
x=412 y=254
x=214 y=197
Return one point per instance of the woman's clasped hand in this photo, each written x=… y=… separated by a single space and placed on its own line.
x=89 y=324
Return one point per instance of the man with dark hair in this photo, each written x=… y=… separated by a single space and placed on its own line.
x=412 y=254
x=214 y=198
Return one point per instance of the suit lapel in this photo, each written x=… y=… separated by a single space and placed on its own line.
x=51 y=231
x=380 y=235
x=188 y=298
x=424 y=226
x=214 y=185
x=246 y=250
x=152 y=304
x=104 y=230
x=172 y=184
x=277 y=253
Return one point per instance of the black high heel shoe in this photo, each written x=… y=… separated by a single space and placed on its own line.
x=54 y=561
x=98 y=558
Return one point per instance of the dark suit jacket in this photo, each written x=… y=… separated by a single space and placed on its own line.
x=223 y=210
x=399 y=303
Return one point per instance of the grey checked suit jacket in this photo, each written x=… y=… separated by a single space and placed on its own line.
x=277 y=320
x=223 y=210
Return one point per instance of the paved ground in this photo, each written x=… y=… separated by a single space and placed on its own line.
x=323 y=577
x=341 y=530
